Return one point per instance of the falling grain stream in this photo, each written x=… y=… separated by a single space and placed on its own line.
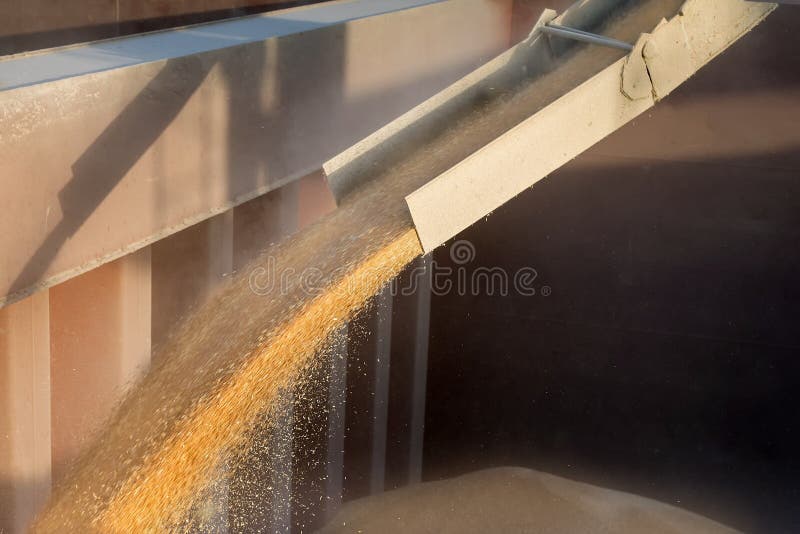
x=226 y=365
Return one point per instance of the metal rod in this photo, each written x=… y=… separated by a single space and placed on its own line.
x=586 y=37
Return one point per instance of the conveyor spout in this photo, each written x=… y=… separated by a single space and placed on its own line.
x=529 y=111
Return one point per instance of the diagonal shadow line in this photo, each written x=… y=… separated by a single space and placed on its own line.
x=109 y=158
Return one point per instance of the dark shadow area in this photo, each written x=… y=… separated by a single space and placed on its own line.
x=359 y=420
x=401 y=384
x=666 y=360
x=10 y=492
x=26 y=41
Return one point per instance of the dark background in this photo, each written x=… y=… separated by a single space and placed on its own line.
x=665 y=361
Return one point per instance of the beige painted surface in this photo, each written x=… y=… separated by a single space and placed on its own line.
x=489 y=178
x=24 y=411
x=705 y=28
x=104 y=164
x=550 y=138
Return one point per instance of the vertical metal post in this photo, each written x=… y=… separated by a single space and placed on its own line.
x=220 y=247
x=380 y=407
x=100 y=345
x=420 y=376
x=136 y=314
x=24 y=411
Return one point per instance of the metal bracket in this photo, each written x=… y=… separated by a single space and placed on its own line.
x=586 y=37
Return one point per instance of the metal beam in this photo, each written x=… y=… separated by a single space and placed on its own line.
x=108 y=147
x=419 y=386
x=382 y=331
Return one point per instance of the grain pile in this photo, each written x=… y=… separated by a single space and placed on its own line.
x=514 y=499
x=224 y=369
